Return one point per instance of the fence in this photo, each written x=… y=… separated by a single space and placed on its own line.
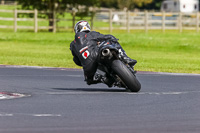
x=128 y=20
x=35 y=19
x=123 y=20
x=8 y=2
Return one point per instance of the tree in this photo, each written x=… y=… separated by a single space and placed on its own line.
x=155 y=5
x=52 y=6
x=109 y=3
x=121 y=4
x=131 y=4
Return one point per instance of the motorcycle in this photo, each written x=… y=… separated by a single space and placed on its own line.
x=113 y=70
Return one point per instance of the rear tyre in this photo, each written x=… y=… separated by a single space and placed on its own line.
x=126 y=76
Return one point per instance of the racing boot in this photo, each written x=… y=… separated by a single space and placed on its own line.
x=108 y=81
x=128 y=60
x=95 y=80
x=125 y=58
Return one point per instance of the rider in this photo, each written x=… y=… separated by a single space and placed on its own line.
x=84 y=49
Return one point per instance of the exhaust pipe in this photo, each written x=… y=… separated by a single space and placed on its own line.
x=106 y=52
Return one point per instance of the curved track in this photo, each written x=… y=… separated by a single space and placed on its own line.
x=58 y=101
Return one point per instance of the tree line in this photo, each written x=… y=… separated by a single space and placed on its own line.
x=131 y=4
x=117 y=4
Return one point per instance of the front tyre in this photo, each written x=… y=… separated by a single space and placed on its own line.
x=126 y=76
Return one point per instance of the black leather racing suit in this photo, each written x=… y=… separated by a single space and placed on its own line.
x=85 y=50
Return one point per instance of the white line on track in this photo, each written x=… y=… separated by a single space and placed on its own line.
x=46 y=115
x=41 y=76
x=4 y=114
x=9 y=95
x=34 y=115
x=38 y=67
x=74 y=69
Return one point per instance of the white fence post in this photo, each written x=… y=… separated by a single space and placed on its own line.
x=163 y=21
x=15 y=20
x=128 y=21
x=146 y=21
x=180 y=22
x=110 y=20
x=35 y=21
x=197 y=27
x=2 y=2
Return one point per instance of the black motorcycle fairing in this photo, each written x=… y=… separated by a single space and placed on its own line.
x=112 y=48
x=108 y=59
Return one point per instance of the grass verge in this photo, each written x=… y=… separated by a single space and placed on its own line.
x=169 y=52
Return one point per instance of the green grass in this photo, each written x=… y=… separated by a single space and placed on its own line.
x=155 y=51
x=9 y=7
x=169 y=52
x=41 y=49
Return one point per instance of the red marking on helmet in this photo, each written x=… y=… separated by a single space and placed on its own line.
x=82 y=21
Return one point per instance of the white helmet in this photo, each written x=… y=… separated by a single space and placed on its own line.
x=82 y=26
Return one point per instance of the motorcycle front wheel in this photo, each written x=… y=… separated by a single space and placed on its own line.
x=127 y=77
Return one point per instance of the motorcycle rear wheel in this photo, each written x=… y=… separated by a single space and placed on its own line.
x=128 y=78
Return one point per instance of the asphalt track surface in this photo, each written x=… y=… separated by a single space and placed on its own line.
x=59 y=101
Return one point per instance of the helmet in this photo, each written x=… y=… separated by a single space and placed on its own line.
x=82 y=26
